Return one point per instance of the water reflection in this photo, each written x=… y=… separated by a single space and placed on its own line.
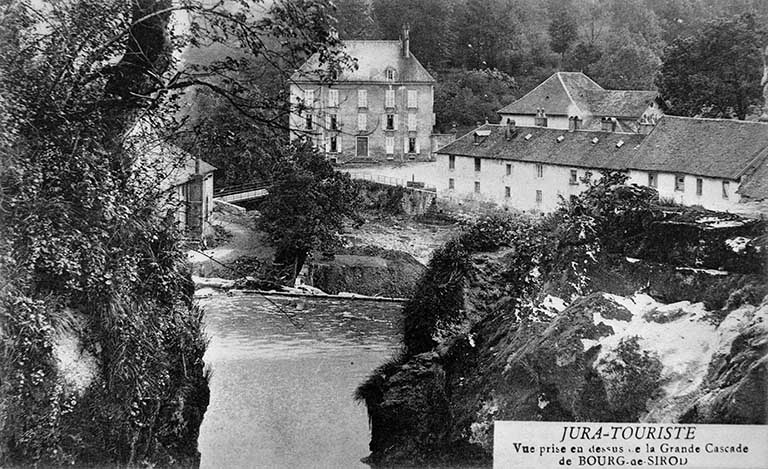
x=281 y=395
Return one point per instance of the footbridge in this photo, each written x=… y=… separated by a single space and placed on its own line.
x=243 y=192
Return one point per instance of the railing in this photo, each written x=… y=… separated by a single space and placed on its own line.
x=390 y=181
x=251 y=186
x=252 y=190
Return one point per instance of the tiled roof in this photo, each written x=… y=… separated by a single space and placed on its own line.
x=573 y=93
x=614 y=103
x=575 y=149
x=720 y=148
x=755 y=185
x=373 y=58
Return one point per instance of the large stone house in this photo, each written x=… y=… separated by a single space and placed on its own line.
x=573 y=94
x=383 y=110
x=714 y=163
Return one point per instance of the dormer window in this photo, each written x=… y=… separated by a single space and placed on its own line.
x=390 y=74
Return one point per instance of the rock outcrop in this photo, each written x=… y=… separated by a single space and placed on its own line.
x=552 y=321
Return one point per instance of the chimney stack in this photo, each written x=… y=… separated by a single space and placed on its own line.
x=405 y=41
x=511 y=129
x=607 y=124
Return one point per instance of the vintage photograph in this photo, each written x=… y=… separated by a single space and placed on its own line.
x=383 y=233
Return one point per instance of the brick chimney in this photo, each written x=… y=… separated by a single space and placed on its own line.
x=405 y=41
x=607 y=124
x=511 y=129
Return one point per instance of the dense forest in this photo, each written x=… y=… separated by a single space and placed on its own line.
x=485 y=53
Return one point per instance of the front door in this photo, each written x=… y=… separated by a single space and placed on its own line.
x=362 y=146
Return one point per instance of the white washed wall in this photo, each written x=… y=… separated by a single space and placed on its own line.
x=553 y=122
x=555 y=182
x=523 y=183
x=711 y=195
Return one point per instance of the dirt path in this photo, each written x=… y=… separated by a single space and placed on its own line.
x=244 y=241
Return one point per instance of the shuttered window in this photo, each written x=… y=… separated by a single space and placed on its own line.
x=413 y=99
x=389 y=100
x=362 y=98
x=333 y=98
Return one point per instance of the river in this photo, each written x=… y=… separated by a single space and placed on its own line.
x=283 y=378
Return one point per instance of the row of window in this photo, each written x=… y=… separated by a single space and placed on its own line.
x=653 y=181
x=362 y=98
x=389 y=121
x=507 y=190
x=574 y=177
x=333 y=145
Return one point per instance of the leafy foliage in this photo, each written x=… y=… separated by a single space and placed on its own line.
x=697 y=76
x=308 y=204
x=562 y=30
x=466 y=97
x=634 y=378
x=88 y=236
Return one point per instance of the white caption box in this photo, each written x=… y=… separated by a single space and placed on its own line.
x=597 y=445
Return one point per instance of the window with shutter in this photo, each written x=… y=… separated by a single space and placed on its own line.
x=412 y=121
x=680 y=182
x=362 y=98
x=390 y=98
x=412 y=98
x=362 y=122
x=309 y=97
x=333 y=98
x=451 y=183
x=726 y=189
x=390 y=144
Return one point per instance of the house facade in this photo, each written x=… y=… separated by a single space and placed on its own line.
x=714 y=163
x=383 y=110
x=573 y=94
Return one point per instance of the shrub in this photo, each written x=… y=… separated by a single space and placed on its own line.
x=632 y=377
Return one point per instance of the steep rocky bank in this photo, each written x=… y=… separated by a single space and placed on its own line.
x=366 y=271
x=612 y=309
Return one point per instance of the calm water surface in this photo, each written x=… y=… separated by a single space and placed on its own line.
x=281 y=393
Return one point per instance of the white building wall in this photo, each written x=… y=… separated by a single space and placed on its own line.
x=523 y=183
x=524 y=120
x=711 y=194
x=555 y=182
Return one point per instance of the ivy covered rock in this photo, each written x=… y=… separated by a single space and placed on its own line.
x=553 y=319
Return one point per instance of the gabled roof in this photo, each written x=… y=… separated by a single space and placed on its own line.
x=575 y=148
x=755 y=185
x=719 y=148
x=573 y=93
x=373 y=59
x=615 y=103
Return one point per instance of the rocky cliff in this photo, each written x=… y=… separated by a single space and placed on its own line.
x=611 y=309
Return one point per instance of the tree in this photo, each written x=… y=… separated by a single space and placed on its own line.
x=485 y=33
x=430 y=26
x=307 y=205
x=715 y=73
x=562 y=31
x=89 y=245
x=354 y=20
x=583 y=58
x=627 y=66
x=466 y=97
